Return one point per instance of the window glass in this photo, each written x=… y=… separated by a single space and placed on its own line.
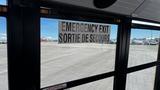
x=143 y=46
x=73 y=50
x=141 y=80
x=105 y=84
x=3 y=2
x=3 y=55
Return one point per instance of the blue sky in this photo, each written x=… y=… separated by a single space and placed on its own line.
x=3 y=2
x=3 y=28
x=140 y=33
x=49 y=28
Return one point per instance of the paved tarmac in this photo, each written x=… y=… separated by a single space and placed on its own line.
x=66 y=62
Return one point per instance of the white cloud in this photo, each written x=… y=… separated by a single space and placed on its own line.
x=47 y=38
x=3 y=37
x=3 y=34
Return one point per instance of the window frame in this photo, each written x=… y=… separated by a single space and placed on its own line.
x=52 y=10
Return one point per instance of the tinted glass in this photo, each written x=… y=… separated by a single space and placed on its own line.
x=3 y=55
x=69 y=53
x=3 y=2
x=141 y=80
x=105 y=84
x=143 y=46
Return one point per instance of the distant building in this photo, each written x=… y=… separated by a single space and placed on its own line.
x=48 y=39
x=113 y=41
x=145 y=41
x=3 y=42
x=138 y=42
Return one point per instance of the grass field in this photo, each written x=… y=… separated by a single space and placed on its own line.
x=65 y=62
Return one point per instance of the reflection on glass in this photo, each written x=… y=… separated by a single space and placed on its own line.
x=105 y=84
x=3 y=2
x=69 y=54
x=141 y=80
x=143 y=46
x=3 y=55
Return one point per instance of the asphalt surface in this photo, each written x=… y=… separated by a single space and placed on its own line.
x=66 y=62
x=3 y=68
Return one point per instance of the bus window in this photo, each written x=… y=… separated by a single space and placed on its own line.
x=3 y=55
x=143 y=46
x=141 y=80
x=72 y=50
x=3 y=2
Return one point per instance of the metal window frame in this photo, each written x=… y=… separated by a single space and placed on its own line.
x=20 y=40
x=3 y=10
x=23 y=32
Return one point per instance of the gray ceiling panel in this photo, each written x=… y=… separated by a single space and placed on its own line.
x=150 y=9
x=147 y=9
x=121 y=6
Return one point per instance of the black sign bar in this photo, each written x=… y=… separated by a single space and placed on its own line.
x=142 y=67
x=23 y=23
x=79 y=81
